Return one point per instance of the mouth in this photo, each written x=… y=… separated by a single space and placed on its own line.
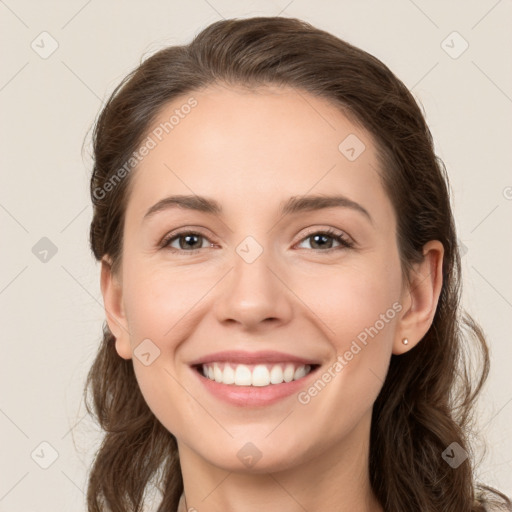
x=256 y=375
x=253 y=379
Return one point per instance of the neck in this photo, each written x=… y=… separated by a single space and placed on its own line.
x=332 y=479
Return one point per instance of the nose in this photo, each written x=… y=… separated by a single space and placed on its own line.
x=254 y=294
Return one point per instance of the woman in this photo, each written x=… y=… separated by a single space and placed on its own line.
x=281 y=279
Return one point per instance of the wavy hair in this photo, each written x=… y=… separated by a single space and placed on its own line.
x=428 y=397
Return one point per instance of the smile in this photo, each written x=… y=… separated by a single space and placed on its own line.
x=253 y=379
x=258 y=375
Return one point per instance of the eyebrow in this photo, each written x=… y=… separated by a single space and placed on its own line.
x=293 y=205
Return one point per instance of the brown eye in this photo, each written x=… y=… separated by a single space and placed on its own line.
x=188 y=241
x=323 y=240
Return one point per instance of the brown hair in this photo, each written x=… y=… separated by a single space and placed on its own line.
x=427 y=399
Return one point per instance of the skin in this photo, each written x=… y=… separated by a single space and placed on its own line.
x=250 y=150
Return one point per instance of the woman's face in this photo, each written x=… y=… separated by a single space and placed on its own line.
x=258 y=292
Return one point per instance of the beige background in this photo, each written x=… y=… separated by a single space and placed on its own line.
x=52 y=311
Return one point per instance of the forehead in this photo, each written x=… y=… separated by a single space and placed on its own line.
x=253 y=148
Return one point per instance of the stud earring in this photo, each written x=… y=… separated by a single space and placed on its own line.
x=405 y=341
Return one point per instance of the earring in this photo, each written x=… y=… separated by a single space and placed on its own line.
x=405 y=341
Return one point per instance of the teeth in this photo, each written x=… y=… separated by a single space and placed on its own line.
x=243 y=375
x=276 y=374
x=259 y=375
x=217 y=373
x=289 y=372
x=228 y=377
x=299 y=373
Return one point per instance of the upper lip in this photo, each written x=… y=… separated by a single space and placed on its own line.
x=242 y=357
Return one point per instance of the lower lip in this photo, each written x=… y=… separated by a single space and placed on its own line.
x=253 y=396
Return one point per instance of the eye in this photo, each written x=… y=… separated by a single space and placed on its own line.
x=188 y=241
x=320 y=239
x=192 y=241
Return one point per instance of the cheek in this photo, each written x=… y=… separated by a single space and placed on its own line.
x=159 y=303
x=359 y=311
x=160 y=306
x=356 y=303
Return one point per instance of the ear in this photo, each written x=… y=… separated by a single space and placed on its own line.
x=420 y=298
x=112 y=291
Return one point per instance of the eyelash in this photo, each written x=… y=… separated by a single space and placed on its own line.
x=345 y=243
